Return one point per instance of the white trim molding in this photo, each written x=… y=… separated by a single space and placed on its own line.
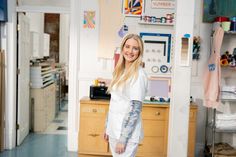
x=181 y=80
x=43 y=9
x=73 y=104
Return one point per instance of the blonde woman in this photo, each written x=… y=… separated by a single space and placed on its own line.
x=128 y=87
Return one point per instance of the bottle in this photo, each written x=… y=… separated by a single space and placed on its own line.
x=96 y=82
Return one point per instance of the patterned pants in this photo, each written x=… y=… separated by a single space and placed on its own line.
x=130 y=150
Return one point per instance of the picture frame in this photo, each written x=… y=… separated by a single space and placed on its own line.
x=133 y=7
x=159 y=86
x=157 y=54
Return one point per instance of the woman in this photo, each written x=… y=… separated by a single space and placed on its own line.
x=128 y=87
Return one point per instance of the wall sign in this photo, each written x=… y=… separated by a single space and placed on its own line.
x=156 y=4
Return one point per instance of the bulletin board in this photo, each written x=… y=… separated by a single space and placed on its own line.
x=111 y=20
x=157 y=53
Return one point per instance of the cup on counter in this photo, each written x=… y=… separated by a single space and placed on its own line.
x=226 y=25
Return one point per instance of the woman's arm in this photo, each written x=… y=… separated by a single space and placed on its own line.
x=130 y=121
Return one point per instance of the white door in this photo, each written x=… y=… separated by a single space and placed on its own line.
x=23 y=109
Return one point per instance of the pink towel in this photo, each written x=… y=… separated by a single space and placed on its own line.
x=212 y=77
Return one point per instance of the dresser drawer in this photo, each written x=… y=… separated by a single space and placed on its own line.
x=154 y=128
x=154 y=113
x=152 y=147
x=91 y=135
x=93 y=110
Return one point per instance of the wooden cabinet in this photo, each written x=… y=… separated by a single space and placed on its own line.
x=155 y=123
x=43 y=102
x=92 y=120
x=192 y=131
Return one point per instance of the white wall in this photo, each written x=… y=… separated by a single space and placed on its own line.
x=64 y=41
x=204 y=31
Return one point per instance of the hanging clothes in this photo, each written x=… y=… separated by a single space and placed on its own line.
x=212 y=77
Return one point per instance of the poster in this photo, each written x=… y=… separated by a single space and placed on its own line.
x=89 y=19
x=111 y=20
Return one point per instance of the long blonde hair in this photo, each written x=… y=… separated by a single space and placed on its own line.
x=132 y=71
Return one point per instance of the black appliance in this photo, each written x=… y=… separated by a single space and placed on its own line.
x=99 y=92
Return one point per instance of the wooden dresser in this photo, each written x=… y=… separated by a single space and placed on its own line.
x=155 y=122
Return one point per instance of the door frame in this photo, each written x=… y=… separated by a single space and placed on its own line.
x=74 y=51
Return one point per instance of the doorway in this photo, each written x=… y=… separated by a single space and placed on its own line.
x=45 y=107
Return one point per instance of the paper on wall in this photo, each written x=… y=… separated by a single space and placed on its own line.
x=111 y=20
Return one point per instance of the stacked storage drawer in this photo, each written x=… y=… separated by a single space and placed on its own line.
x=43 y=96
x=41 y=76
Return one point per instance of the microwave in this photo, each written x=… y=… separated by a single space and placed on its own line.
x=99 y=92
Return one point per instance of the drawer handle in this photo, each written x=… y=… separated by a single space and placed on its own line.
x=93 y=135
x=140 y=144
x=157 y=113
x=94 y=110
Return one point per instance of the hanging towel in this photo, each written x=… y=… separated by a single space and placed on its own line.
x=212 y=77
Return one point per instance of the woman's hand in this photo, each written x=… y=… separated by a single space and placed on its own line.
x=105 y=137
x=120 y=148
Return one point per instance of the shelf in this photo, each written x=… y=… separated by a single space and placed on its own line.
x=225 y=131
x=231 y=100
x=228 y=67
x=210 y=125
x=41 y=76
x=230 y=32
x=152 y=23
